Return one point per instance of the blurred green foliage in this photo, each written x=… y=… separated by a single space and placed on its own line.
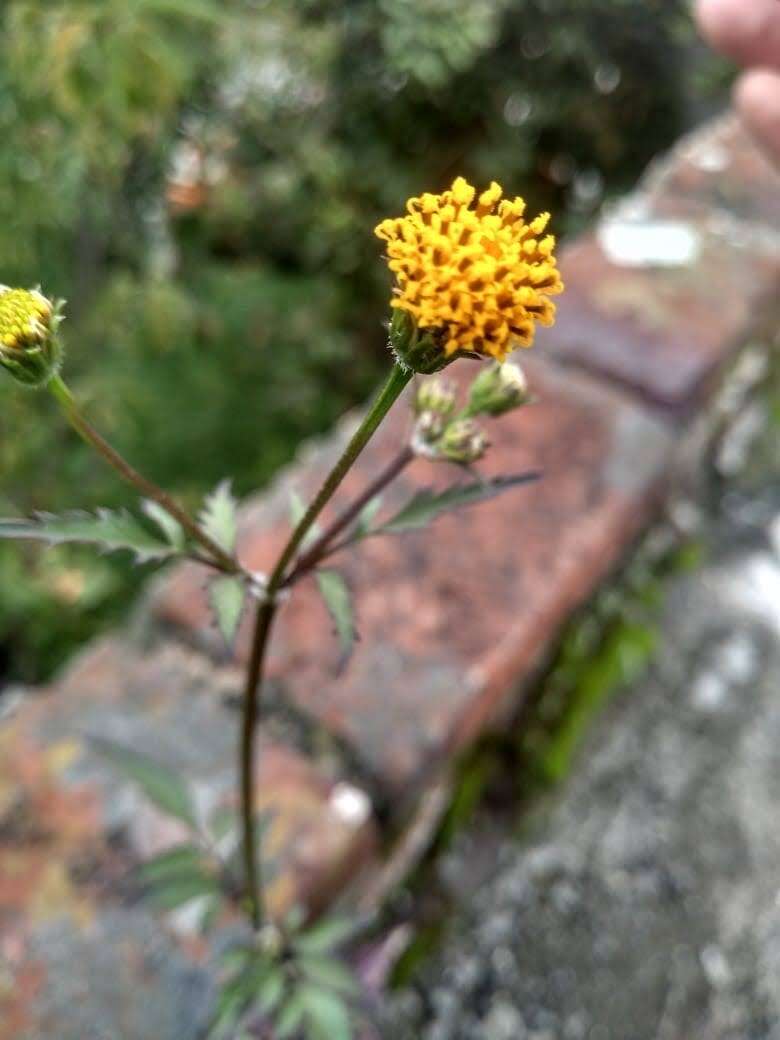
x=200 y=178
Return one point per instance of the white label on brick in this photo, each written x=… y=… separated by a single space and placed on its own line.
x=350 y=804
x=649 y=243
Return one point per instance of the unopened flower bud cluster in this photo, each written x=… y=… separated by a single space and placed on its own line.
x=443 y=432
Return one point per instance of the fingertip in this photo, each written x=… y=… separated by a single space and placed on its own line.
x=719 y=22
x=757 y=98
x=746 y=30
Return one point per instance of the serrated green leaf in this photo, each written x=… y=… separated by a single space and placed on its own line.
x=326 y=1013
x=221 y=822
x=169 y=525
x=290 y=1017
x=427 y=505
x=161 y=785
x=294 y=919
x=324 y=936
x=231 y=1002
x=366 y=518
x=178 y=891
x=181 y=861
x=297 y=508
x=113 y=530
x=218 y=517
x=226 y=597
x=338 y=600
x=329 y=973
x=271 y=990
x=209 y=914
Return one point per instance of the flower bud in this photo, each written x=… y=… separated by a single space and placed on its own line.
x=437 y=396
x=463 y=441
x=29 y=346
x=498 y=389
x=429 y=427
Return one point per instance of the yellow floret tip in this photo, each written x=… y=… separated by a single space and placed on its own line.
x=25 y=317
x=474 y=273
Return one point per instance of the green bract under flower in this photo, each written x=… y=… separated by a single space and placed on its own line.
x=29 y=346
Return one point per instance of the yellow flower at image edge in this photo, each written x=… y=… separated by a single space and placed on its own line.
x=470 y=273
x=29 y=346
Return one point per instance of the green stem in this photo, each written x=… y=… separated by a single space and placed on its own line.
x=387 y=396
x=264 y=617
x=321 y=547
x=60 y=391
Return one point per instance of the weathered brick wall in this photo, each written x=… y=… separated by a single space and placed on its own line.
x=455 y=620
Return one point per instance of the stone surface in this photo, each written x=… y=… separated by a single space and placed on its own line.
x=641 y=903
x=455 y=617
x=75 y=935
x=676 y=278
x=719 y=168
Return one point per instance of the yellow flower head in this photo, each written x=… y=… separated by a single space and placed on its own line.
x=25 y=316
x=29 y=347
x=471 y=270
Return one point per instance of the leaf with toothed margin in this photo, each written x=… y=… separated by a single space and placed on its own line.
x=169 y=525
x=226 y=597
x=181 y=861
x=426 y=505
x=327 y=1015
x=218 y=518
x=330 y=973
x=161 y=785
x=363 y=525
x=338 y=600
x=297 y=513
x=112 y=530
x=289 y=1017
x=325 y=936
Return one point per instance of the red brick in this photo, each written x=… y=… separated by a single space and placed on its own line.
x=663 y=332
x=453 y=619
x=719 y=169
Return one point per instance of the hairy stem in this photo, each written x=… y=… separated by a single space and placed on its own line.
x=219 y=557
x=264 y=617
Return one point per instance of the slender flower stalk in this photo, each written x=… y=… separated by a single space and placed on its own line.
x=323 y=545
x=217 y=556
x=386 y=398
x=264 y=618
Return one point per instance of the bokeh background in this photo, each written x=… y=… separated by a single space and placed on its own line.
x=200 y=180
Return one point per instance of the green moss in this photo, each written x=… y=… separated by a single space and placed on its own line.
x=603 y=652
x=426 y=940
